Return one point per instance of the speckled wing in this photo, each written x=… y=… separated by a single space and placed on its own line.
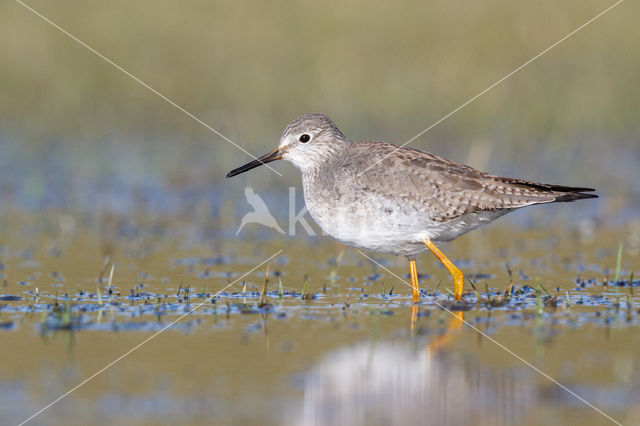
x=445 y=189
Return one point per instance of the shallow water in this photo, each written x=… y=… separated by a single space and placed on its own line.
x=337 y=342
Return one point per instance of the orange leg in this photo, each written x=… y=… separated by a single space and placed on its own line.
x=458 y=275
x=415 y=287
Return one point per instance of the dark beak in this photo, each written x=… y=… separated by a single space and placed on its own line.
x=267 y=158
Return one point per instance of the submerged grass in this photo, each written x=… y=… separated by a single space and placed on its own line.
x=618 y=263
x=61 y=317
x=113 y=266
x=65 y=312
x=204 y=294
x=307 y=296
x=263 y=293
x=99 y=293
x=514 y=294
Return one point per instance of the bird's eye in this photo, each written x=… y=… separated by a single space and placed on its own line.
x=305 y=138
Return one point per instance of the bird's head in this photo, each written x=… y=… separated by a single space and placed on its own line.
x=306 y=142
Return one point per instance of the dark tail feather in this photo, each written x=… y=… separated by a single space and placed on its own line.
x=570 y=193
x=573 y=196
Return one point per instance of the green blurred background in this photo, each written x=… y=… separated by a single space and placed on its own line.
x=76 y=133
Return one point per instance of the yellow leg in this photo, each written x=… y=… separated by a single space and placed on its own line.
x=415 y=287
x=458 y=275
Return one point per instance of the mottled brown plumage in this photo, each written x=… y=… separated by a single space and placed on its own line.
x=448 y=189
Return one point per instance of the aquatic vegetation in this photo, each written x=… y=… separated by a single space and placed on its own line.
x=320 y=306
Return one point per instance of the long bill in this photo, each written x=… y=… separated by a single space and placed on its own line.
x=267 y=158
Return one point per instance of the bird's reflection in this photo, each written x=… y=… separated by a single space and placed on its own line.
x=402 y=383
x=455 y=325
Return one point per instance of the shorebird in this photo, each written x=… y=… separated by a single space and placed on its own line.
x=380 y=197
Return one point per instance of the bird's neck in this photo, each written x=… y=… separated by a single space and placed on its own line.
x=323 y=157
